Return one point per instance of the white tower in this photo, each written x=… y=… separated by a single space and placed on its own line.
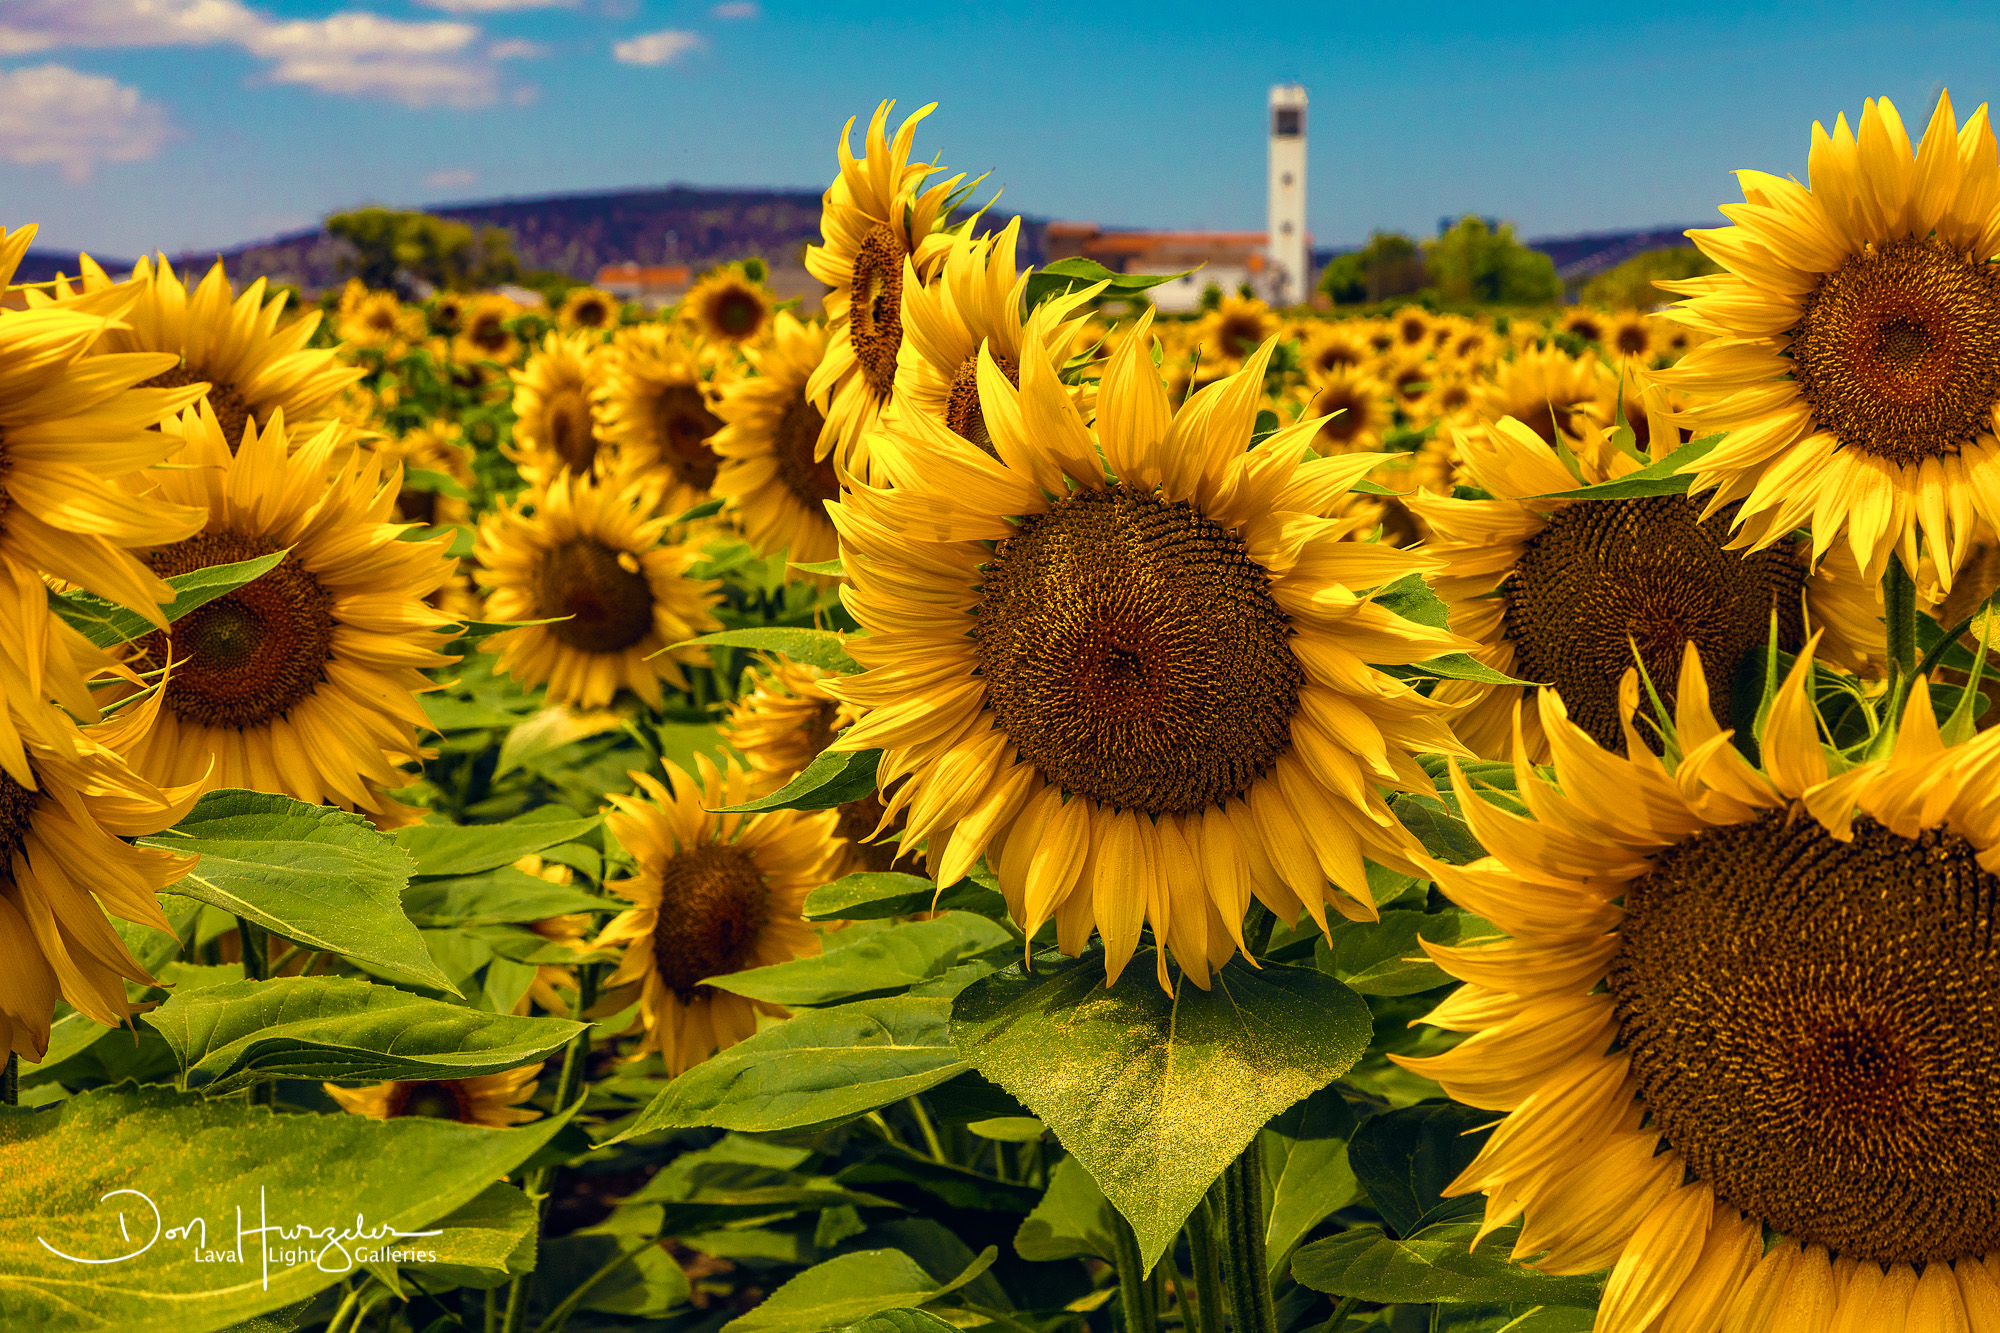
x=1285 y=242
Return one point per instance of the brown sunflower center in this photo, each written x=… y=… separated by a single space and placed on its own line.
x=570 y=435
x=231 y=409
x=1337 y=356
x=1350 y=419
x=590 y=313
x=735 y=313
x=439 y=1100
x=713 y=906
x=251 y=655
x=684 y=424
x=1898 y=351
x=875 y=312
x=489 y=334
x=961 y=410
x=1549 y=417
x=1631 y=338
x=603 y=591
x=1583 y=326
x=1411 y=382
x=811 y=481
x=1606 y=573
x=17 y=812
x=1815 y=1025
x=1412 y=330
x=1132 y=650
x=1240 y=334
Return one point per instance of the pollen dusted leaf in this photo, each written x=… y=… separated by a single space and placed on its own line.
x=198 y=1158
x=310 y=873
x=230 y=1036
x=834 y=777
x=468 y=849
x=817 y=1068
x=1155 y=1094
x=1434 y=1267
x=105 y=623
x=809 y=647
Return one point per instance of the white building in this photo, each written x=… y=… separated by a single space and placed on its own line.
x=1289 y=274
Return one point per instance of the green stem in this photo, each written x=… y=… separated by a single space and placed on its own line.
x=251 y=937
x=929 y=1131
x=338 y=1315
x=567 y=1084
x=1132 y=1283
x=1205 y=1267
x=1250 y=1305
x=1899 y=613
x=10 y=1080
x=493 y=1310
x=1338 y=1319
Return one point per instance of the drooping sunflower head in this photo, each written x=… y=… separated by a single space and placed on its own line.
x=588 y=308
x=493 y=1100
x=712 y=894
x=592 y=549
x=727 y=307
x=656 y=408
x=777 y=470
x=1857 y=351
x=1082 y=672
x=554 y=428
x=1736 y=1002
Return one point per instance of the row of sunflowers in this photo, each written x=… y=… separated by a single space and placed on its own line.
x=983 y=807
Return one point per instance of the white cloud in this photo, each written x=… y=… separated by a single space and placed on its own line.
x=451 y=178
x=353 y=53
x=737 y=9
x=51 y=115
x=658 y=48
x=494 y=6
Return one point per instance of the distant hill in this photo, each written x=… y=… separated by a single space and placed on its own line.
x=1576 y=257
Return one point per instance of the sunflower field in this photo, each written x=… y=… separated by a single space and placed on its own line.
x=992 y=809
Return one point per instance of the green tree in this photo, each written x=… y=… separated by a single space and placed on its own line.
x=1630 y=285
x=1387 y=266
x=1474 y=262
x=394 y=250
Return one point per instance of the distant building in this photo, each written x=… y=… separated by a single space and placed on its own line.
x=1288 y=279
x=647 y=284
x=1224 y=259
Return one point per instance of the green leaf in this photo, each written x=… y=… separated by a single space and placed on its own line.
x=1443 y=834
x=955 y=1186
x=902 y=1321
x=496 y=897
x=1436 y=1266
x=832 y=568
x=486 y=1242
x=819 y=1067
x=843 y=1291
x=1154 y=1093
x=1412 y=599
x=468 y=849
x=614 y=1274
x=867 y=895
x=106 y=623
x=706 y=509
x=890 y=959
x=550 y=730
x=310 y=873
x=1306 y=1171
x=1654 y=479
x=1063 y=276
x=194 y=1158
x=1073 y=1221
x=424 y=479
x=228 y=1037
x=1460 y=666
x=1383 y=957
x=834 y=777
x=810 y=647
x=1406 y=1158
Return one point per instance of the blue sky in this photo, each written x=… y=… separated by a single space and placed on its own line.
x=136 y=124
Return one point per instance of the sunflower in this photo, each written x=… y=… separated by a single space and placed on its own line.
x=438 y=448
x=252 y=364
x=727 y=307
x=1471 y=342
x=593 y=549
x=775 y=472
x=588 y=308
x=1856 y=362
x=378 y=322
x=874 y=217
x=1628 y=334
x=1563 y=592
x=1237 y=327
x=1333 y=347
x=1412 y=328
x=1585 y=323
x=484 y=335
x=493 y=1100
x=553 y=427
x=1736 y=1004
x=1355 y=408
x=712 y=894
x=1545 y=390
x=1179 y=647
x=303 y=681
x=62 y=841
x=446 y=313
x=551 y=979
x=77 y=458
x=656 y=409
x=1406 y=376
x=976 y=300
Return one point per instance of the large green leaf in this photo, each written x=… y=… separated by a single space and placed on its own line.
x=106 y=623
x=1155 y=1093
x=230 y=1036
x=809 y=647
x=1306 y=1171
x=848 y=1289
x=1443 y=834
x=834 y=777
x=1659 y=478
x=194 y=1158
x=881 y=960
x=1434 y=1266
x=468 y=849
x=310 y=873
x=1383 y=957
x=1062 y=276
x=496 y=897
x=486 y=1242
x=1460 y=666
x=1074 y=1220
x=867 y=895
x=819 y=1067
x=1406 y=1158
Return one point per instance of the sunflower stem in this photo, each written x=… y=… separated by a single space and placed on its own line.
x=1132 y=1284
x=1338 y=1319
x=251 y=939
x=10 y=1080
x=1899 y=617
x=1205 y=1268
x=1250 y=1305
x=929 y=1132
